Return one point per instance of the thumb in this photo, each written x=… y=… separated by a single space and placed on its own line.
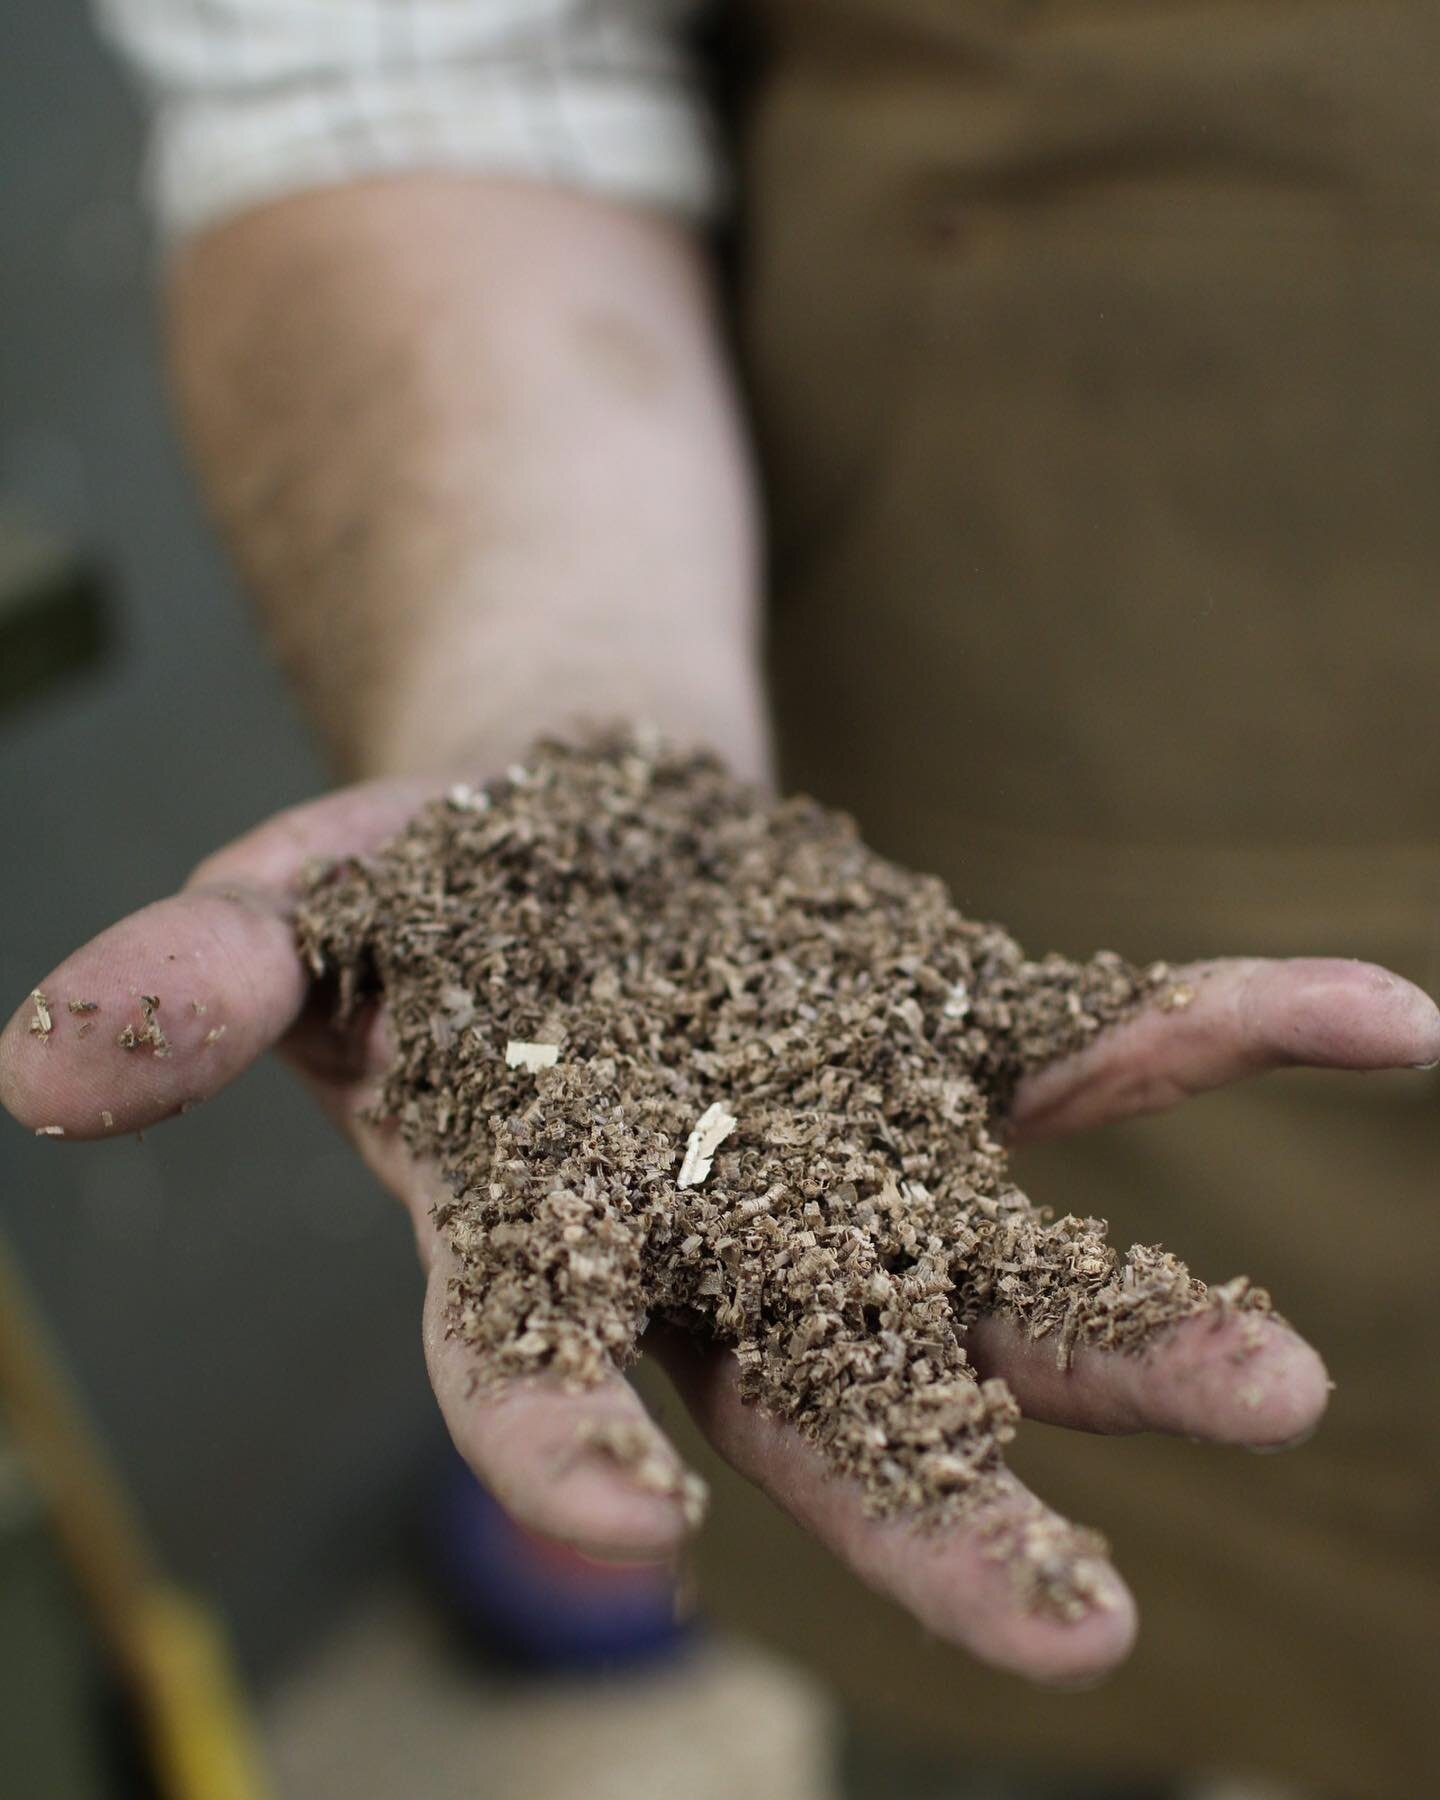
x=166 y=1007
x=159 y=1011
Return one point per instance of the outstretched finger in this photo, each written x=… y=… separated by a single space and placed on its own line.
x=163 y=1009
x=1228 y=1377
x=1220 y=1022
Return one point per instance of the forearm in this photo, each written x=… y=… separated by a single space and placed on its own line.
x=475 y=448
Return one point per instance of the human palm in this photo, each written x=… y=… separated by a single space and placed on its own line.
x=221 y=957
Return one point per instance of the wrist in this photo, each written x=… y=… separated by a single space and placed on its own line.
x=474 y=700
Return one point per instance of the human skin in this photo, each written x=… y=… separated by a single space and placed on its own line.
x=476 y=448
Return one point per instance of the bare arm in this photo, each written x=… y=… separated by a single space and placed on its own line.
x=475 y=446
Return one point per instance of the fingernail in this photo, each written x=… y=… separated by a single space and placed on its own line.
x=1079 y=1684
x=1294 y=1443
x=630 y=1557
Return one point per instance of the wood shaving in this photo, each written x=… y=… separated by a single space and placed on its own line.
x=42 y=1024
x=214 y=1034
x=648 y=1460
x=83 y=1006
x=49 y=1131
x=531 y=1057
x=685 y=935
x=107 y=1118
x=1059 y=1568
x=148 y=1033
x=711 y=1130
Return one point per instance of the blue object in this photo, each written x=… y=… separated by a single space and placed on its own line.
x=540 y=1603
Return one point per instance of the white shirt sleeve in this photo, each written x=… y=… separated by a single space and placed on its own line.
x=255 y=99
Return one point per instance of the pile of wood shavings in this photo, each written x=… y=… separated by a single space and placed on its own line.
x=687 y=1053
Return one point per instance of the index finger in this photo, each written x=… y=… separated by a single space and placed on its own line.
x=1225 y=1021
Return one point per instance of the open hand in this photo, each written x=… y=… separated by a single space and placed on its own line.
x=221 y=956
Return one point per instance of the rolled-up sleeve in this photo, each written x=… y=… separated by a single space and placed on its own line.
x=254 y=99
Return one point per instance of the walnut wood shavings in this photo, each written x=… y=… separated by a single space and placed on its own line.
x=107 y=1118
x=213 y=1035
x=711 y=1130
x=42 y=1024
x=531 y=1057
x=648 y=1460
x=1056 y=1567
x=149 y=1032
x=684 y=936
x=49 y=1131
x=83 y=1006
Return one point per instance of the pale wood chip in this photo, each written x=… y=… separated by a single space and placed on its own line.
x=957 y=1002
x=710 y=1131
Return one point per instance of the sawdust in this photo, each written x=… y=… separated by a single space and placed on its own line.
x=637 y=1447
x=42 y=1024
x=736 y=982
x=149 y=1034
